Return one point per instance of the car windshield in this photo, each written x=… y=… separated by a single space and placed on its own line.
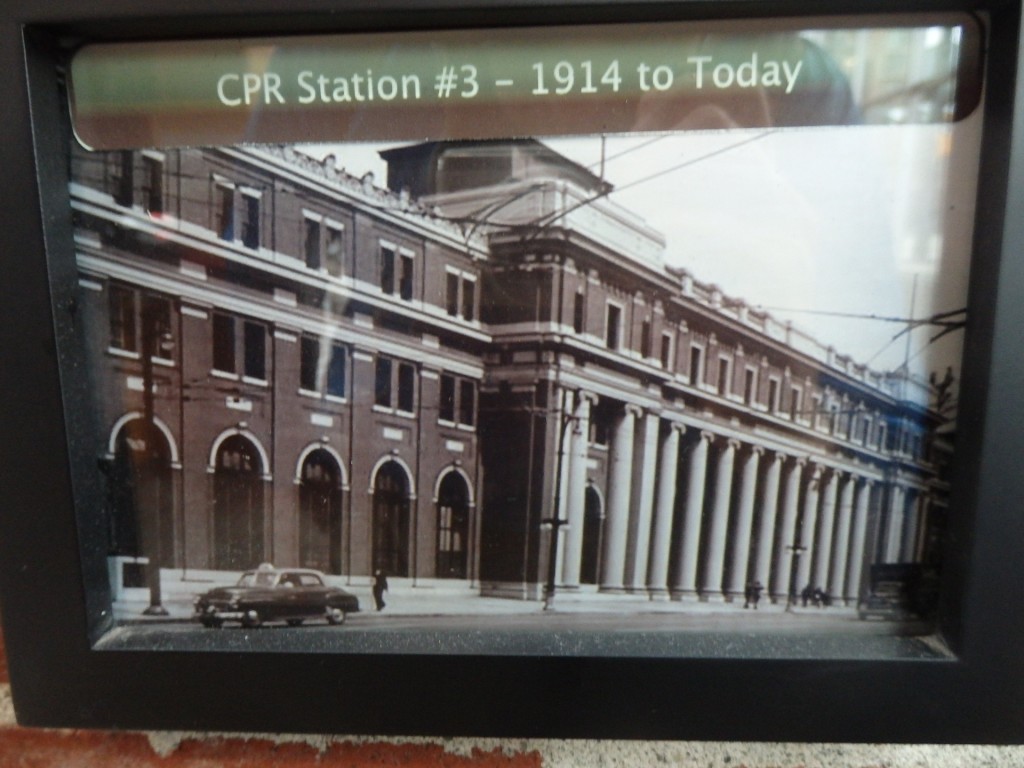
x=257 y=579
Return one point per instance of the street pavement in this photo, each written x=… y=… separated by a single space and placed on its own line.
x=410 y=598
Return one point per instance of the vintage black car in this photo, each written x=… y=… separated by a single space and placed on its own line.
x=292 y=595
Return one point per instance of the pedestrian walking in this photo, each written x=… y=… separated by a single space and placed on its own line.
x=380 y=586
x=753 y=594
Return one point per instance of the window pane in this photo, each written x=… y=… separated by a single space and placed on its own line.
x=122 y=319
x=156 y=326
x=255 y=351
x=468 y=299
x=154 y=185
x=406 y=387
x=467 y=402
x=612 y=330
x=446 y=409
x=382 y=383
x=724 y=371
x=224 y=343
x=452 y=298
x=334 y=251
x=310 y=354
x=124 y=181
x=251 y=230
x=225 y=224
x=645 y=339
x=666 y=351
x=406 y=281
x=577 y=313
x=312 y=247
x=387 y=270
x=336 y=371
x=696 y=360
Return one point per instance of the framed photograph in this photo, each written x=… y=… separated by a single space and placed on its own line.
x=603 y=370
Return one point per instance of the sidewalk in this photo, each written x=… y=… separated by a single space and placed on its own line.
x=434 y=598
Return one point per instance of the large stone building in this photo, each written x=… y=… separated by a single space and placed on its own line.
x=422 y=378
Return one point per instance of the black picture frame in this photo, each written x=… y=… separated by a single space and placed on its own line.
x=53 y=580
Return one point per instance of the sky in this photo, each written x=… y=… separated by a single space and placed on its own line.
x=863 y=220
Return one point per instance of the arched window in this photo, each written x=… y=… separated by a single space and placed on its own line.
x=320 y=513
x=141 y=495
x=237 y=505
x=391 y=520
x=452 y=527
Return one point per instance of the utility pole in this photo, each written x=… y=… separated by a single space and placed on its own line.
x=555 y=522
x=153 y=337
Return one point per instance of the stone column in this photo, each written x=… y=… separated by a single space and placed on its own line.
x=769 y=515
x=787 y=533
x=858 y=540
x=810 y=515
x=826 y=524
x=912 y=527
x=668 y=475
x=837 y=579
x=616 y=527
x=689 y=542
x=894 y=529
x=576 y=489
x=715 y=562
x=645 y=475
x=742 y=531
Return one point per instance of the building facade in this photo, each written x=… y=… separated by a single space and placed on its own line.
x=484 y=372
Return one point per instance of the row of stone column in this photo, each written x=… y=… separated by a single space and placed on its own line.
x=811 y=521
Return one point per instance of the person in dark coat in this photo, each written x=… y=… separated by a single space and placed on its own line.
x=380 y=586
x=807 y=595
x=752 y=594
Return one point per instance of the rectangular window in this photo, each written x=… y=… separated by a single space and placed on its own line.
x=645 y=339
x=156 y=326
x=724 y=375
x=382 y=383
x=696 y=365
x=467 y=402
x=795 y=397
x=406 y=387
x=154 y=189
x=387 y=270
x=251 y=225
x=337 y=371
x=773 y=395
x=405 y=280
x=749 y=386
x=446 y=407
x=309 y=363
x=468 y=299
x=613 y=327
x=543 y=297
x=255 y=351
x=883 y=437
x=816 y=407
x=452 y=297
x=577 y=313
x=122 y=319
x=335 y=250
x=224 y=343
x=124 y=180
x=312 y=244
x=224 y=224
x=666 y=351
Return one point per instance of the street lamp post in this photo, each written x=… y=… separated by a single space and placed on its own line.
x=795 y=550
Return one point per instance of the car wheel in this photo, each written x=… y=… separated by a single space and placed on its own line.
x=335 y=616
x=294 y=622
x=251 y=619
